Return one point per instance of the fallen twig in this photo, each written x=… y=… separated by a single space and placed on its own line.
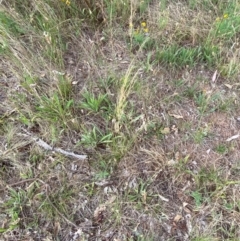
x=47 y=147
x=233 y=137
x=17 y=183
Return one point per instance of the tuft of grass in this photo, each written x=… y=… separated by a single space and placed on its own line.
x=54 y=108
x=14 y=208
x=202 y=101
x=222 y=149
x=94 y=103
x=200 y=135
x=95 y=138
x=179 y=57
x=126 y=85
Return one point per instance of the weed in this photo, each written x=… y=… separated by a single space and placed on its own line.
x=64 y=88
x=201 y=134
x=197 y=198
x=208 y=181
x=202 y=101
x=191 y=91
x=139 y=195
x=14 y=207
x=107 y=85
x=141 y=38
x=181 y=166
x=55 y=109
x=210 y=54
x=154 y=129
x=95 y=103
x=95 y=138
x=104 y=170
x=222 y=149
x=28 y=82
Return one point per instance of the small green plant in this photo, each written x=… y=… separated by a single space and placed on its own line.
x=143 y=5
x=142 y=40
x=104 y=170
x=94 y=103
x=200 y=134
x=229 y=206
x=95 y=138
x=14 y=207
x=191 y=91
x=209 y=185
x=64 y=87
x=107 y=84
x=210 y=54
x=221 y=149
x=213 y=102
x=202 y=101
x=198 y=198
x=141 y=37
x=28 y=82
x=179 y=83
x=55 y=108
x=139 y=194
x=154 y=129
x=208 y=182
x=181 y=166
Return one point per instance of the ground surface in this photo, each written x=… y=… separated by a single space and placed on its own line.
x=149 y=94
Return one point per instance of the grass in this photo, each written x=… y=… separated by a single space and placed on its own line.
x=148 y=91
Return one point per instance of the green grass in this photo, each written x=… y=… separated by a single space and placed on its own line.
x=131 y=85
x=222 y=149
x=178 y=57
x=94 y=138
x=94 y=104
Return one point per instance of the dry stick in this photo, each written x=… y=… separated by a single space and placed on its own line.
x=18 y=183
x=47 y=147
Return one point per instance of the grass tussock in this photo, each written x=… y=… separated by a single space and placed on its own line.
x=140 y=97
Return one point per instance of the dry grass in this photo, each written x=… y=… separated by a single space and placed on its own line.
x=148 y=91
